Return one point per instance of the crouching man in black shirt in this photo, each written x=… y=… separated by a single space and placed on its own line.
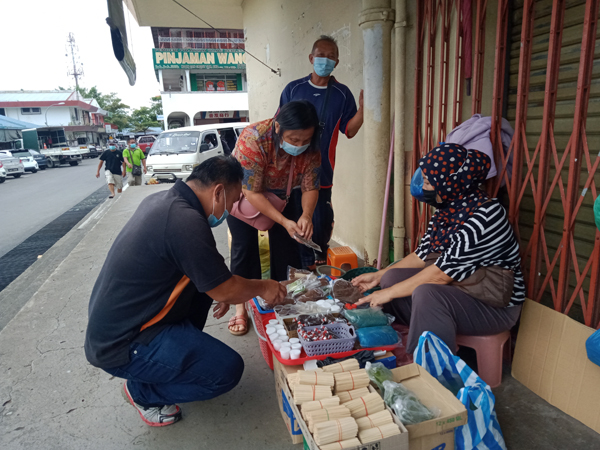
x=153 y=295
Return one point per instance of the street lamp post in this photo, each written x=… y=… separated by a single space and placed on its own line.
x=46 y=115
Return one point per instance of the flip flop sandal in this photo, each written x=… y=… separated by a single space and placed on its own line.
x=238 y=320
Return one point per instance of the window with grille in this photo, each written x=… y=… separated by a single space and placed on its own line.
x=31 y=110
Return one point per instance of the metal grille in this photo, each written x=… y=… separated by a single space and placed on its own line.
x=552 y=59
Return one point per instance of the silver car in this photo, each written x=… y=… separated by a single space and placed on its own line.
x=13 y=166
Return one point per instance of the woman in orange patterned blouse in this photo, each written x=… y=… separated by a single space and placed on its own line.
x=266 y=149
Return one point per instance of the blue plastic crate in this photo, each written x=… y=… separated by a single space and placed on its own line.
x=260 y=309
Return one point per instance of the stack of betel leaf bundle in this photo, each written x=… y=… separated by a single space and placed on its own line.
x=344 y=366
x=349 y=381
x=346 y=396
x=325 y=415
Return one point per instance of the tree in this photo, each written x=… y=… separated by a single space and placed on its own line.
x=157 y=105
x=143 y=118
x=118 y=111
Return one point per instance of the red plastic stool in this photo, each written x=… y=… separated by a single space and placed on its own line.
x=489 y=351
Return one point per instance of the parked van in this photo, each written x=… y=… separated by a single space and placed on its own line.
x=176 y=152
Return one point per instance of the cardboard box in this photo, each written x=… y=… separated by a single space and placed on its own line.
x=399 y=442
x=438 y=433
x=285 y=406
x=551 y=360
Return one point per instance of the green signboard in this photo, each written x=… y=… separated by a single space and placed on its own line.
x=198 y=59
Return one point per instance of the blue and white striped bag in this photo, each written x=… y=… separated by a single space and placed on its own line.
x=482 y=431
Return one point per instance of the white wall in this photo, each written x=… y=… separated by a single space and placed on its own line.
x=57 y=116
x=194 y=102
x=282 y=33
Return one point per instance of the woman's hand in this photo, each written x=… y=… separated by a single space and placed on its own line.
x=292 y=228
x=367 y=281
x=377 y=298
x=220 y=310
x=306 y=225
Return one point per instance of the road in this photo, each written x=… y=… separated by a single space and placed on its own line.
x=29 y=203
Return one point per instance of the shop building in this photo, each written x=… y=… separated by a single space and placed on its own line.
x=202 y=74
x=64 y=118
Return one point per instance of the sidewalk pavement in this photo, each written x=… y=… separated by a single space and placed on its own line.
x=51 y=398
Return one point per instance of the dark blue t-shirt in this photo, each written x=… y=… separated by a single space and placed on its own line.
x=341 y=107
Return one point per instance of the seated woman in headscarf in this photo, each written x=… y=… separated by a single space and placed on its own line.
x=467 y=233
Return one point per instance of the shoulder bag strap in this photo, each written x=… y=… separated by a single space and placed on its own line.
x=290 y=179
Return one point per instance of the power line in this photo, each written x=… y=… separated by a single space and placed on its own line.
x=276 y=72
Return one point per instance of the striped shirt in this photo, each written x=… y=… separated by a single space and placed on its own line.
x=485 y=239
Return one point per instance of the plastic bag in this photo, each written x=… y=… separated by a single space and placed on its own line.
x=377 y=336
x=294 y=274
x=592 y=345
x=597 y=211
x=369 y=317
x=378 y=373
x=405 y=404
x=346 y=292
x=416 y=185
x=482 y=430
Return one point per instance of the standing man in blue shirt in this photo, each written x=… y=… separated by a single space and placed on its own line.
x=337 y=113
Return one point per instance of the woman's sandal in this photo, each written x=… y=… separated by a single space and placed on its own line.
x=238 y=321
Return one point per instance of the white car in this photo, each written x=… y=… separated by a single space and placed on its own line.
x=2 y=173
x=12 y=166
x=27 y=159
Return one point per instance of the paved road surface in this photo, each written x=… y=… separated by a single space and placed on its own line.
x=29 y=203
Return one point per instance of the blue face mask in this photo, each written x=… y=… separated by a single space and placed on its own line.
x=132 y=145
x=112 y=147
x=292 y=149
x=323 y=66
x=212 y=220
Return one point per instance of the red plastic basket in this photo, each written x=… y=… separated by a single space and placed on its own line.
x=258 y=320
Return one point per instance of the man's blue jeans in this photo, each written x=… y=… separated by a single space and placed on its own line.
x=181 y=364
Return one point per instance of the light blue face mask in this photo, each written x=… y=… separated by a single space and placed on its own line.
x=112 y=147
x=212 y=220
x=292 y=149
x=323 y=66
x=132 y=146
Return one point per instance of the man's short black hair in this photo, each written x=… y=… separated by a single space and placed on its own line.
x=325 y=38
x=224 y=170
x=132 y=138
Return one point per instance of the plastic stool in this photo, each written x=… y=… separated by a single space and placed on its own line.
x=342 y=257
x=489 y=351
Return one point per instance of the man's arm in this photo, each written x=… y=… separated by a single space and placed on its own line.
x=356 y=122
x=239 y=290
x=99 y=167
x=126 y=159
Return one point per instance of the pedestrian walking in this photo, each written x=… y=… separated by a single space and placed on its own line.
x=134 y=160
x=114 y=170
x=337 y=111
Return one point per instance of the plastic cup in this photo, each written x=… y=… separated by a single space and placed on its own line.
x=274 y=337
x=279 y=327
x=286 y=345
x=296 y=346
x=273 y=322
x=277 y=344
x=282 y=332
x=283 y=338
x=270 y=329
x=294 y=341
x=295 y=354
x=285 y=353
x=335 y=309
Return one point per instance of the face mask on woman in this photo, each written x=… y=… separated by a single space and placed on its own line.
x=293 y=149
x=323 y=66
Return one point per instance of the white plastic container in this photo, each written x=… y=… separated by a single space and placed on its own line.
x=283 y=338
x=282 y=332
x=285 y=345
x=273 y=322
x=285 y=354
x=277 y=344
x=294 y=341
x=297 y=347
x=295 y=354
x=270 y=329
x=279 y=327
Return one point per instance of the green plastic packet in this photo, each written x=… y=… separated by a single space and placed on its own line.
x=378 y=373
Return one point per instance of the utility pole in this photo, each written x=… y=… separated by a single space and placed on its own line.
x=77 y=70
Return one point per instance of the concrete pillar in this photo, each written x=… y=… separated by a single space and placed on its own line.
x=188 y=84
x=160 y=81
x=376 y=21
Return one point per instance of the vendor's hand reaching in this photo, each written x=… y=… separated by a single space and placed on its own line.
x=220 y=310
x=367 y=281
x=274 y=292
x=377 y=298
x=306 y=225
x=292 y=228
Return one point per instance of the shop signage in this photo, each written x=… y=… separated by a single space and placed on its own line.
x=198 y=59
x=160 y=117
x=220 y=114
